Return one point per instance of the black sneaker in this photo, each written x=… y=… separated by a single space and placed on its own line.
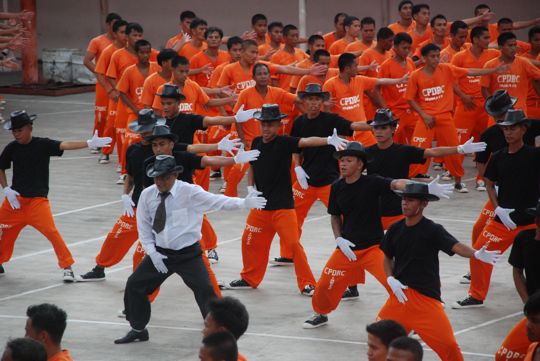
x=239 y=284
x=104 y=159
x=212 y=256
x=423 y=177
x=465 y=279
x=68 y=275
x=2 y=271
x=281 y=261
x=350 y=294
x=309 y=290
x=316 y=321
x=215 y=175
x=96 y=274
x=468 y=302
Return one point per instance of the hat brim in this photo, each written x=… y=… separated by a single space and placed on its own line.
x=392 y=122
x=324 y=95
x=152 y=173
x=428 y=197
x=505 y=123
x=7 y=124
x=170 y=96
x=170 y=136
x=134 y=126
x=487 y=106
x=257 y=115
x=354 y=153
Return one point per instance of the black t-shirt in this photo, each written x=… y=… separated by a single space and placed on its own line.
x=136 y=155
x=525 y=255
x=393 y=162
x=518 y=178
x=318 y=162
x=494 y=137
x=415 y=252
x=358 y=204
x=188 y=160
x=30 y=165
x=272 y=170
x=185 y=125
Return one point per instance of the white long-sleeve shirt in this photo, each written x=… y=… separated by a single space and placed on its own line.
x=185 y=207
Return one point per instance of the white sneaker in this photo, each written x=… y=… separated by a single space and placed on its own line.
x=446 y=176
x=223 y=187
x=118 y=169
x=94 y=151
x=437 y=166
x=104 y=159
x=121 y=179
x=480 y=186
x=69 y=276
x=460 y=188
x=121 y=314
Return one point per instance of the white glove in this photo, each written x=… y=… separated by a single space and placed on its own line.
x=345 y=246
x=397 y=287
x=11 y=196
x=246 y=157
x=157 y=259
x=440 y=190
x=302 y=177
x=254 y=201
x=228 y=145
x=98 y=142
x=337 y=142
x=486 y=256
x=470 y=147
x=504 y=216
x=243 y=116
x=253 y=192
x=128 y=206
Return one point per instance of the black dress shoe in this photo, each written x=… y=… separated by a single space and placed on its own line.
x=133 y=336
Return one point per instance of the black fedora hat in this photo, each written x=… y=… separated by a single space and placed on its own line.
x=145 y=122
x=513 y=117
x=354 y=149
x=314 y=89
x=171 y=91
x=162 y=131
x=499 y=103
x=18 y=119
x=383 y=116
x=417 y=190
x=163 y=164
x=535 y=212
x=269 y=113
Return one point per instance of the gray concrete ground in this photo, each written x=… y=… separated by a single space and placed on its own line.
x=85 y=202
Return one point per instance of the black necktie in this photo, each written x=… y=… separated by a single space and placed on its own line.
x=161 y=214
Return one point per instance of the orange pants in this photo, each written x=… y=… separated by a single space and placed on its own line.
x=470 y=122
x=446 y=134
x=497 y=237
x=234 y=177
x=109 y=129
x=516 y=343
x=303 y=200
x=118 y=241
x=407 y=123
x=261 y=226
x=339 y=273
x=201 y=177
x=209 y=236
x=388 y=221
x=487 y=213
x=121 y=148
x=100 y=114
x=426 y=316
x=130 y=138
x=35 y=212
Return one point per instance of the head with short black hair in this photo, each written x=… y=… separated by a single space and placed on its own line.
x=405 y=348
x=261 y=74
x=275 y=24
x=504 y=38
x=338 y=16
x=458 y=33
x=380 y=334
x=505 y=25
x=535 y=30
x=259 y=24
x=112 y=17
x=421 y=13
x=346 y=61
x=250 y=51
x=532 y=312
x=320 y=53
x=143 y=49
x=426 y=49
x=402 y=45
x=313 y=38
x=384 y=34
x=134 y=28
x=187 y=14
x=438 y=25
x=437 y=17
x=134 y=32
x=213 y=29
x=315 y=42
x=219 y=346
x=403 y=3
x=179 y=60
x=118 y=24
x=349 y=20
x=431 y=54
x=480 y=37
x=165 y=55
x=46 y=323
x=234 y=47
x=258 y=17
x=456 y=25
x=402 y=38
x=368 y=20
x=195 y=23
x=291 y=35
x=24 y=349
x=234 y=40
x=226 y=313
x=288 y=28
x=481 y=9
x=367 y=29
x=339 y=19
x=180 y=69
x=141 y=44
x=197 y=28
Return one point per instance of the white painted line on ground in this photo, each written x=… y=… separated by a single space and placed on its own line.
x=452 y=220
x=86 y=208
x=488 y=323
x=95 y=156
x=256 y=334
x=49 y=250
x=67 y=112
x=48 y=101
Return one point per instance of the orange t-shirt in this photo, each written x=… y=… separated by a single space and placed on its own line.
x=234 y=75
x=398 y=28
x=173 y=40
x=282 y=57
x=265 y=48
x=358 y=45
x=304 y=64
x=394 y=95
x=250 y=98
x=417 y=38
x=448 y=53
x=349 y=97
x=150 y=87
x=241 y=357
x=201 y=59
x=470 y=85
x=120 y=60
x=329 y=39
x=312 y=79
x=61 y=356
x=105 y=59
x=131 y=83
x=532 y=97
x=189 y=50
x=434 y=93
x=531 y=351
x=516 y=80
x=417 y=52
x=98 y=44
x=370 y=55
x=338 y=47
x=195 y=100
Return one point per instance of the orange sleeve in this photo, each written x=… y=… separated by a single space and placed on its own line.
x=202 y=97
x=485 y=81
x=532 y=71
x=384 y=71
x=225 y=78
x=112 y=71
x=287 y=98
x=124 y=82
x=156 y=104
x=328 y=86
x=93 y=46
x=241 y=101
x=101 y=65
x=301 y=84
x=147 y=96
x=458 y=72
x=364 y=59
x=412 y=87
x=368 y=82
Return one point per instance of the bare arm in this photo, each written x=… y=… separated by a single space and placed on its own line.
x=217 y=161
x=393 y=81
x=520 y=283
x=104 y=83
x=202 y=148
x=376 y=98
x=439 y=152
x=463 y=250
x=428 y=119
x=218 y=120
x=525 y=23
x=492 y=193
x=312 y=142
x=216 y=102
x=481 y=167
x=297 y=159
x=128 y=102
x=128 y=184
x=88 y=61
x=3 y=178
x=399 y=184
x=388 y=266
x=360 y=126
x=73 y=144
x=485 y=92
x=336 y=223
x=251 y=178
x=241 y=135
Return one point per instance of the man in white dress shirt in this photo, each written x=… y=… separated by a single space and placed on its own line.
x=169 y=218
